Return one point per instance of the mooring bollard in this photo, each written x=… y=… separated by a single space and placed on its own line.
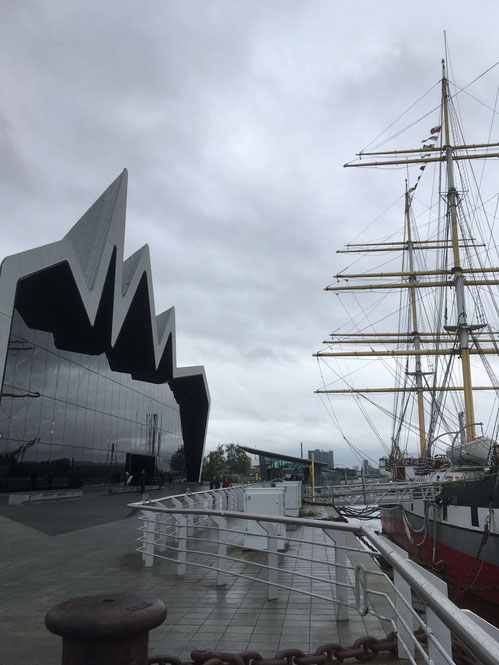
x=111 y=629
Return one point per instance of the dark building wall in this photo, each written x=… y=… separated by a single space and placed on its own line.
x=326 y=456
x=67 y=418
x=91 y=382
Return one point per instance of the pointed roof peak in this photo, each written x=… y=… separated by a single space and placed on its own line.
x=130 y=266
x=91 y=231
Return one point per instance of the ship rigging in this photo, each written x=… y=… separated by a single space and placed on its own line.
x=447 y=264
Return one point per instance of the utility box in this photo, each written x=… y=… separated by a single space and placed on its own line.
x=292 y=497
x=263 y=501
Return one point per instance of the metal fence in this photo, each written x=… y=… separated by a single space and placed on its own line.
x=207 y=529
x=372 y=493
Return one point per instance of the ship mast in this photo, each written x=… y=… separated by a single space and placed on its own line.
x=415 y=331
x=461 y=327
x=455 y=276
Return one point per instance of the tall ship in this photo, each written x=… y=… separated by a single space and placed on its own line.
x=420 y=348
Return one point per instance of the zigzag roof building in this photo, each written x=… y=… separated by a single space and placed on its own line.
x=75 y=313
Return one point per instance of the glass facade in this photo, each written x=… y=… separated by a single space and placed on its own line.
x=67 y=419
x=280 y=468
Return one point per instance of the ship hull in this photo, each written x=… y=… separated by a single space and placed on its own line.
x=452 y=535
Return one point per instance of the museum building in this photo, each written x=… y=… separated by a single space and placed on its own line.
x=91 y=389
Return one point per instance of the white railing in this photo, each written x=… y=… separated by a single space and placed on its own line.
x=197 y=529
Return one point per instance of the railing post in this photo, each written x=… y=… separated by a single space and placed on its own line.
x=340 y=573
x=221 y=522
x=208 y=501
x=439 y=632
x=272 y=558
x=403 y=604
x=189 y=502
x=162 y=522
x=201 y=501
x=177 y=504
x=239 y=500
x=181 y=521
x=149 y=536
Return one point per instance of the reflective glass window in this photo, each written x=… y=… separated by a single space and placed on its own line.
x=61 y=413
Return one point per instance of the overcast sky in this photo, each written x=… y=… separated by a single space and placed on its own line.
x=234 y=119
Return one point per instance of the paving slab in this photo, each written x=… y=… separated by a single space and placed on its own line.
x=56 y=551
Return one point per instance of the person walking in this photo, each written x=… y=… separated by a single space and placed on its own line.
x=226 y=482
x=214 y=485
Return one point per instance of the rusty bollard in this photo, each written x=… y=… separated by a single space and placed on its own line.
x=111 y=629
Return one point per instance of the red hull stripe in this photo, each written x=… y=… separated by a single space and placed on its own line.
x=456 y=565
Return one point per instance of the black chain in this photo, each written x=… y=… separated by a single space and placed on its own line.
x=462 y=588
x=363 y=650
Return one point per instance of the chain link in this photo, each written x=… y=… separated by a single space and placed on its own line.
x=364 y=649
x=466 y=584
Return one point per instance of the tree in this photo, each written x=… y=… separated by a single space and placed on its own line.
x=214 y=463
x=227 y=459
x=238 y=462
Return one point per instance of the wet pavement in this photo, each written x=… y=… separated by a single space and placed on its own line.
x=56 y=550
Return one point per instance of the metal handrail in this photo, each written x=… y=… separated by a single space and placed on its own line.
x=464 y=628
x=191 y=494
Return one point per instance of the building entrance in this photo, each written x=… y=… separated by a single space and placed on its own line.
x=135 y=464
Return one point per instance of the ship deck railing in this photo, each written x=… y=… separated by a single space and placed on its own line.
x=334 y=564
x=379 y=493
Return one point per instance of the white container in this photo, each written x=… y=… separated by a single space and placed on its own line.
x=263 y=501
x=292 y=497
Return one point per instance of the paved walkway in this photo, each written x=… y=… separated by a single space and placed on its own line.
x=54 y=551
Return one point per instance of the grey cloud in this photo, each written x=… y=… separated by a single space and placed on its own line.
x=234 y=118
